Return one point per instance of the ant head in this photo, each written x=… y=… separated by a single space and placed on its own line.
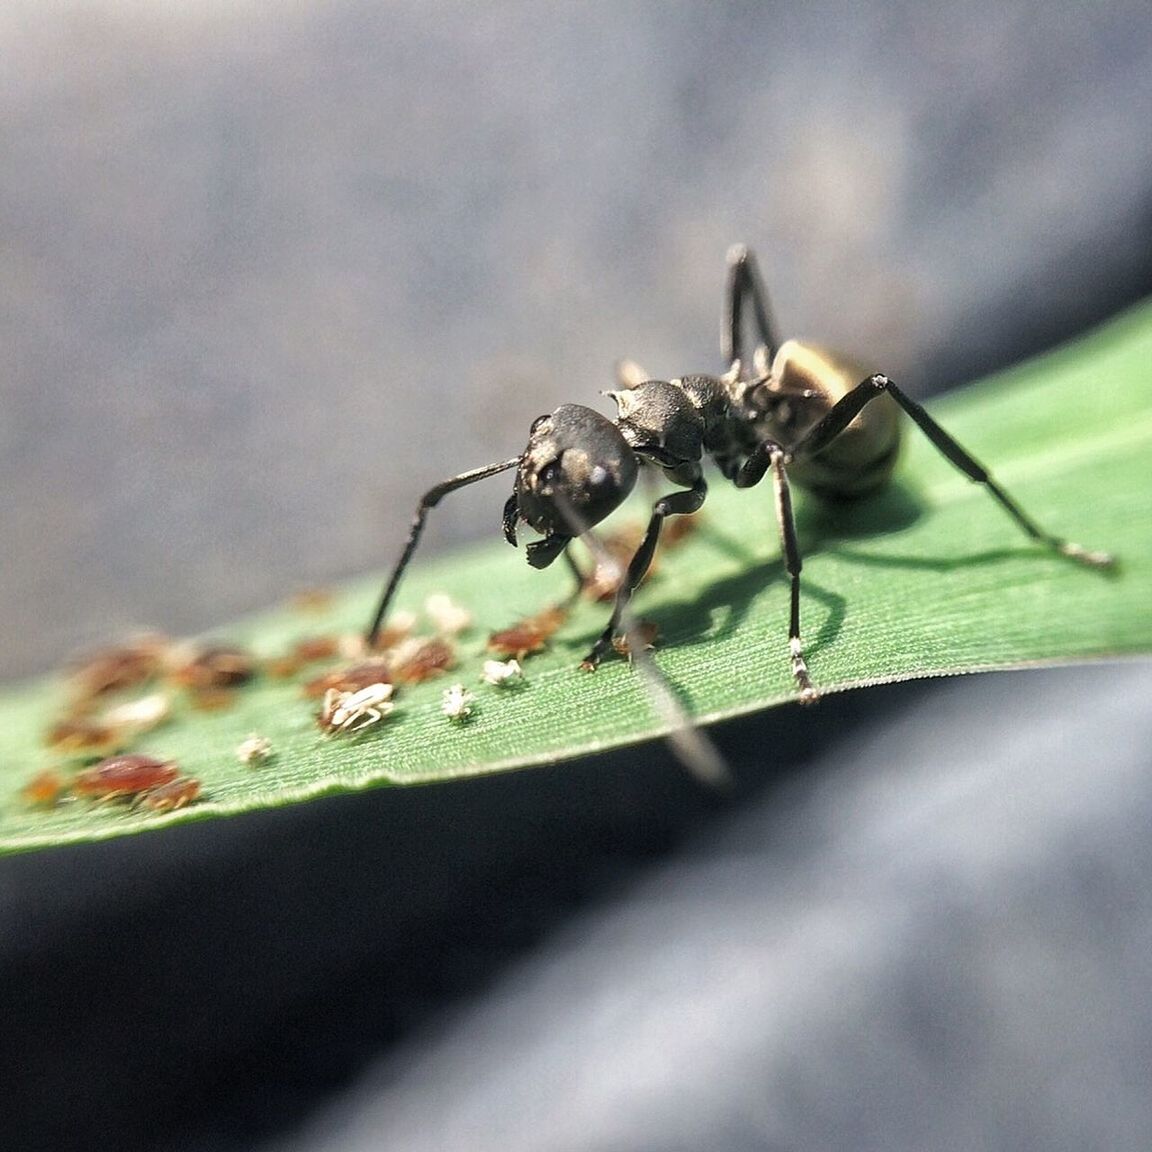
x=576 y=470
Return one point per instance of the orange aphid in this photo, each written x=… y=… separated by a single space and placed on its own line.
x=646 y=632
x=311 y=648
x=44 y=789
x=312 y=600
x=212 y=699
x=220 y=666
x=127 y=775
x=528 y=635
x=611 y=566
x=121 y=666
x=168 y=797
x=77 y=735
x=416 y=660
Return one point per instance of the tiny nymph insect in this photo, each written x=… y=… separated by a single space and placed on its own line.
x=348 y=712
x=798 y=411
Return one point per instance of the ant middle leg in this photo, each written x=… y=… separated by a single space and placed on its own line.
x=769 y=454
x=674 y=504
x=846 y=409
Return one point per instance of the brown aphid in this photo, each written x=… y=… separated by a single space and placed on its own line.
x=168 y=797
x=127 y=775
x=80 y=736
x=44 y=789
x=529 y=635
x=309 y=649
x=647 y=632
x=314 y=600
x=350 y=679
x=120 y=666
x=212 y=699
x=283 y=667
x=220 y=666
x=418 y=659
x=611 y=562
x=677 y=529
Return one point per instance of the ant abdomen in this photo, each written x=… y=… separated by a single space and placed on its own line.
x=576 y=470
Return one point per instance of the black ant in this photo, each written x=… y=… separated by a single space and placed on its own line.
x=796 y=409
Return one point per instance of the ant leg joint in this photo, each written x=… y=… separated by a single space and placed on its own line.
x=809 y=694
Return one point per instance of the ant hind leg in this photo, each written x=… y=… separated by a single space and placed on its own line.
x=845 y=410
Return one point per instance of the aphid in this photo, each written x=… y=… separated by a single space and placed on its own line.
x=120 y=776
x=420 y=658
x=314 y=600
x=608 y=571
x=503 y=673
x=220 y=666
x=212 y=699
x=352 y=679
x=254 y=750
x=99 y=735
x=792 y=409
x=82 y=736
x=448 y=617
x=346 y=712
x=134 y=717
x=677 y=531
x=44 y=789
x=457 y=702
x=308 y=650
x=646 y=631
x=122 y=666
x=528 y=636
x=168 y=797
x=312 y=648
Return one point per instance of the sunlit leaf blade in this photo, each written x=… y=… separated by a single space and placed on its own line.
x=931 y=578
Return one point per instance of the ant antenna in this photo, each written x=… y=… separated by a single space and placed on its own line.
x=428 y=501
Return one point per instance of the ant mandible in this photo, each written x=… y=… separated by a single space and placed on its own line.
x=798 y=410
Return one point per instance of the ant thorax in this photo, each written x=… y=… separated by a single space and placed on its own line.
x=675 y=423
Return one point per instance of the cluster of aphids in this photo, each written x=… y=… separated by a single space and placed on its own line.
x=115 y=698
x=361 y=693
x=120 y=695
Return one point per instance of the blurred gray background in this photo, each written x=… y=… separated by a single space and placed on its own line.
x=270 y=270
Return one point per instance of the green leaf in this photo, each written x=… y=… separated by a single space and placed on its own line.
x=931 y=578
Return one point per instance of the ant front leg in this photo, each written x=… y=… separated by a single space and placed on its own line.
x=675 y=504
x=845 y=410
x=744 y=281
x=769 y=454
x=577 y=575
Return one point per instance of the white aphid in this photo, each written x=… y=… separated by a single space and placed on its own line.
x=448 y=617
x=457 y=703
x=254 y=750
x=503 y=672
x=355 y=711
x=140 y=715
